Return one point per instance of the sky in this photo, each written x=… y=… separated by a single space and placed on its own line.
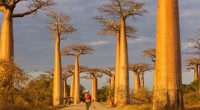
x=34 y=45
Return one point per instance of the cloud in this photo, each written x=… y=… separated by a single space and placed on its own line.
x=140 y=40
x=97 y=43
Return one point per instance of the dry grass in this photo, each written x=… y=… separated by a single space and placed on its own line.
x=136 y=107
x=149 y=107
x=192 y=107
x=24 y=107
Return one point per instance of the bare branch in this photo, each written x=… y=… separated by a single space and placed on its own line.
x=77 y=50
x=195 y=44
x=150 y=52
x=111 y=27
x=34 y=6
x=122 y=8
x=139 y=67
x=60 y=22
x=69 y=70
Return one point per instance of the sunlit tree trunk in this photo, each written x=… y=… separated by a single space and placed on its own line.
x=65 y=89
x=72 y=86
x=167 y=92
x=154 y=76
x=196 y=72
x=6 y=39
x=142 y=80
x=136 y=82
x=117 y=67
x=94 y=89
x=124 y=76
x=76 y=82
x=112 y=82
x=57 y=81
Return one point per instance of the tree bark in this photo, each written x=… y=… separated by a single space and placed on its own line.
x=57 y=82
x=112 y=83
x=94 y=89
x=142 y=81
x=72 y=86
x=124 y=73
x=77 y=82
x=154 y=76
x=65 y=89
x=6 y=38
x=167 y=92
x=196 y=77
x=136 y=83
x=117 y=67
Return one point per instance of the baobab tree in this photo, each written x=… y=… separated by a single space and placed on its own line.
x=94 y=74
x=7 y=7
x=168 y=85
x=120 y=10
x=150 y=52
x=59 y=25
x=138 y=69
x=76 y=51
x=111 y=27
x=110 y=72
x=195 y=63
x=66 y=74
x=70 y=71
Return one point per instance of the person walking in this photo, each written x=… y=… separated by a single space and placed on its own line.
x=87 y=99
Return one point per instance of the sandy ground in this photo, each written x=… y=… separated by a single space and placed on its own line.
x=94 y=106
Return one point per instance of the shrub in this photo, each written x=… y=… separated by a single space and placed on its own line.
x=12 y=82
x=192 y=87
x=143 y=96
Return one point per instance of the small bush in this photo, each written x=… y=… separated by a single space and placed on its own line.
x=192 y=87
x=143 y=96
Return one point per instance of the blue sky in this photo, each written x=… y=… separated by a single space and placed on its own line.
x=34 y=45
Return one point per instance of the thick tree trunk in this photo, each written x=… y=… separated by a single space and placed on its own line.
x=72 y=86
x=57 y=81
x=117 y=67
x=76 y=82
x=124 y=73
x=112 y=83
x=6 y=38
x=94 y=89
x=136 y=83
x=167 y=92
x=142 y=80
x=65 y=89
x=154 y=76
x=196 y=77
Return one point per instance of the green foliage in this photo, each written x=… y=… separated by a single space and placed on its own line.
x=39 y=90
x=143 y=96
x=191 y=95
x=82 y=94
x=103 y=94
x=192 y=87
